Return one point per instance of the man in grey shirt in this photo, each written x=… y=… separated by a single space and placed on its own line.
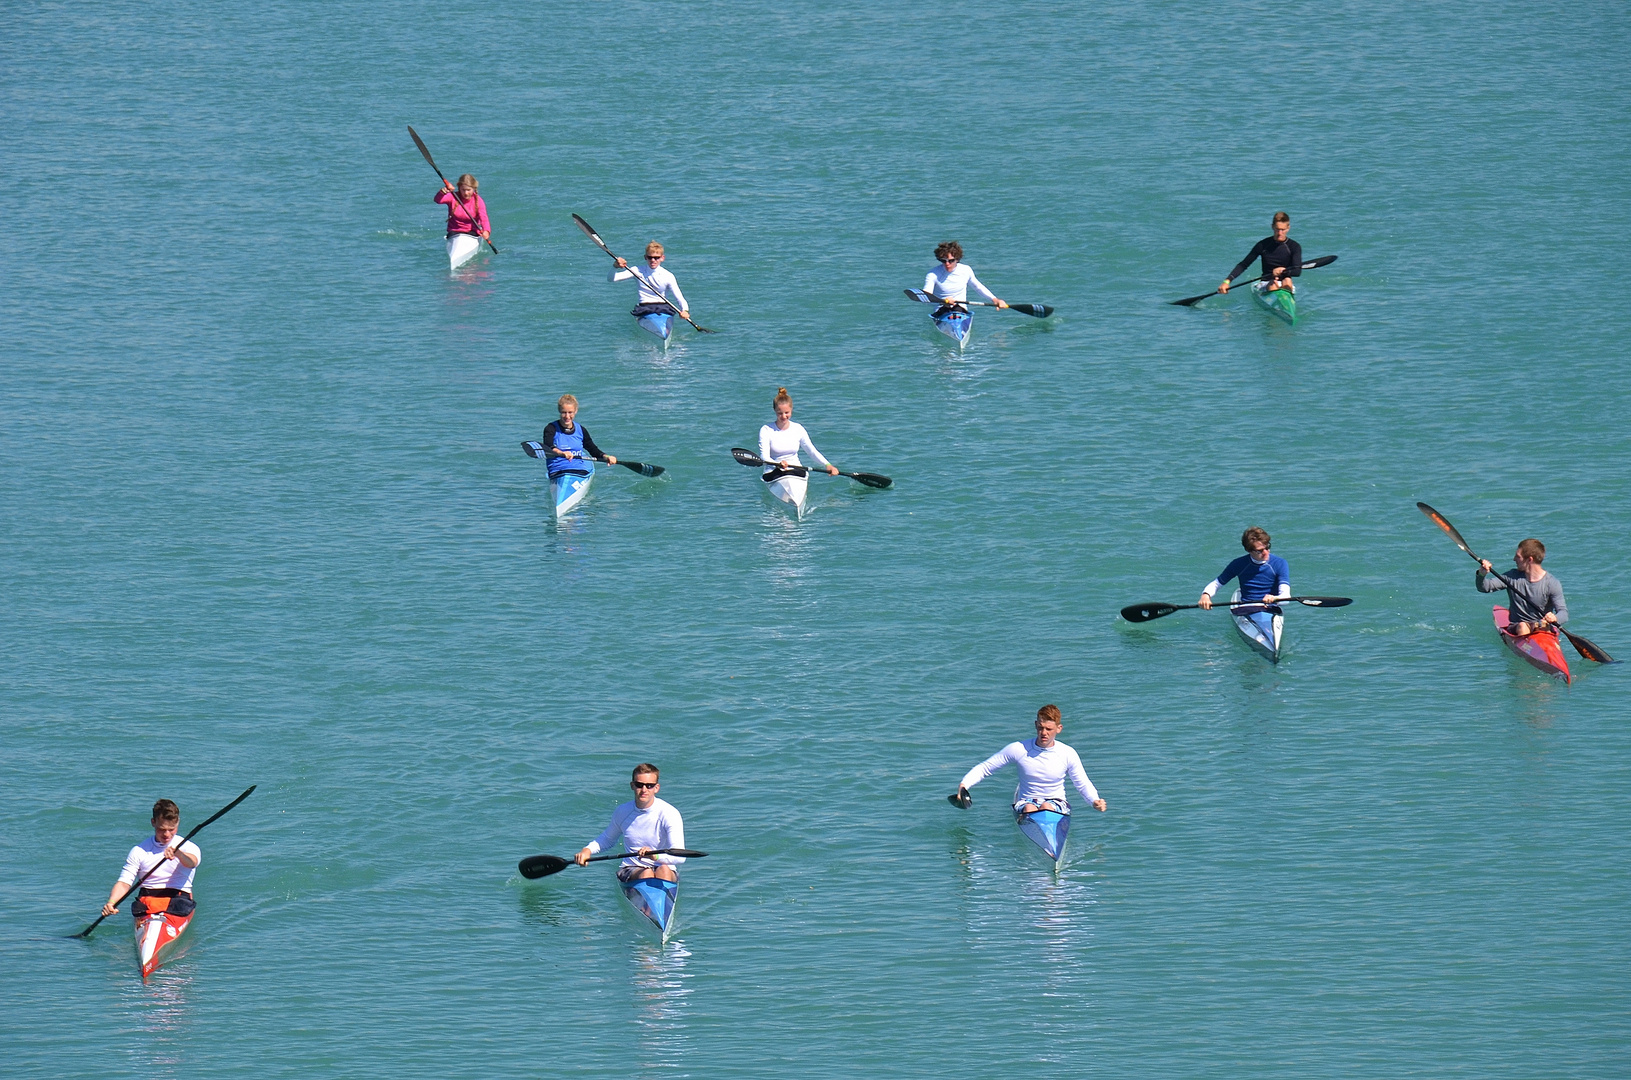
x=1537 y=596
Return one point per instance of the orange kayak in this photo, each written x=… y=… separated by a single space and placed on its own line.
x=1541 y=649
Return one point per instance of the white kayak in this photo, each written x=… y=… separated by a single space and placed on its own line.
x=791 y=492
x=461 y=248
x=1254 y=636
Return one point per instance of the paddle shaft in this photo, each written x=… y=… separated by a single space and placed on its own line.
x=601 y=244
x=632 y=466
x=1037 y=311
x=546 y=865
x=423 y=149
x=1146 y=612
x=137 y=884
x=1588 y=649
x=1323 y=260
x=752 y=460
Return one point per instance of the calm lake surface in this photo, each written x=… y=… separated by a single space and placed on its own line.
x=264 y=518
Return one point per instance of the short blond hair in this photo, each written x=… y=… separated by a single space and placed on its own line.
x=564 y=400
x=653 y=248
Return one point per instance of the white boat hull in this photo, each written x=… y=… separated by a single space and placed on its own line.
x=1269 y=650
x=569 y=490
x=461 y=248
x=791 y=493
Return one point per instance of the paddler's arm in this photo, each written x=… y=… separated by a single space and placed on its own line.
x=116 y=896
x=985 y=292
x=1257 y=250
x=1481 y=577
x=1206 y=594
x=594 y=451
x=1560 y=611
x=1296 y=267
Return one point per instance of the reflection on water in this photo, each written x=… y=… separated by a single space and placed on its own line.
x=1537 y=698
x=660 y=994
x=160 y=1007
x=541 y=904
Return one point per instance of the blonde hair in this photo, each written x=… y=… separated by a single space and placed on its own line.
x=781 y=396
x=467 y=179
x=653 y=248
x=565 y=400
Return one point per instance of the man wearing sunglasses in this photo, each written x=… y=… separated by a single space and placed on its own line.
x=656 y=284
x=1261 y=575
x=950 y=280
x=645 y=824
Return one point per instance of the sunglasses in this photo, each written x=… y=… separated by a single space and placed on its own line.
x=642 y=784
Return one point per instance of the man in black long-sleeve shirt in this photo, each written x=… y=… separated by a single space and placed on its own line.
x=1282 y=257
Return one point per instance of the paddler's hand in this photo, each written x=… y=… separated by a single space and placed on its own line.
x=1100 y=805
x=832 y=470
x=582 y=857
x=108 y=909
x=1485 y=566
x=1205 y=602
x=643 y=853
x=610 y=460
x=686 y=314
x=1000 y=303
x=446 y=184
x=962 y=798
x=1224 y=287
x=622 y=265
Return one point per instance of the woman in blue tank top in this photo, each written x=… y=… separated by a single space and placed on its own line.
x=567 y=444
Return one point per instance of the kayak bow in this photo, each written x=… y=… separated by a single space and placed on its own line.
x=1541 y=650
x=1253 y=634
x=654 y=900
x=1049 y=830
x=1278 y=302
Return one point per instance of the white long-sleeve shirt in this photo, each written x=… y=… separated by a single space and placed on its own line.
x=776 y=444
x=953 y=284
x=654 y=284
x=1042 y=772
x=657 y=827
x=172 y=875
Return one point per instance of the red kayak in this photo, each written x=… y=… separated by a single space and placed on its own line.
x=157 y=931
x=1540 y=649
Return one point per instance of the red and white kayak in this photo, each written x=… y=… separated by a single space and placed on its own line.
x=1542 y=649
x=157 y=933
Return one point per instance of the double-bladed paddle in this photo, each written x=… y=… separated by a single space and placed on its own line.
x=1146 y=612
x=1191 y=301
x=749 y=458
x=1581 y=645
x=589 y=231
x=536 y=449
x=137 y=884
x=1038 y=311
x=537 y=866
x=423 y=149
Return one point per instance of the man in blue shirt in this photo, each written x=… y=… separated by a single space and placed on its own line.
x=1261 y=575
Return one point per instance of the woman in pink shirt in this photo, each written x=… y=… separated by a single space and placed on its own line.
x=466 y=219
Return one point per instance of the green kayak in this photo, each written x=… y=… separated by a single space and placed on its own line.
x=1280 y=302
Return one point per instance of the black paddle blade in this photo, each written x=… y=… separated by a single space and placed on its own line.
x=1191 y=301
x=684 y=853
x=870 y=479
x=642 y=469
x=921 y=297
x=1588 y=650
x=533 y=449
x=423 y=149
x=747 y=457
x=590 y=232
x=537 y=866
x=1443 y=523
x=1146 y=612
x=1323 y=260
x=959 y=800
x=1037 y=311
x=1324 y=601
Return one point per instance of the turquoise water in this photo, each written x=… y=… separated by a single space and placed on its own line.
x=265 y=520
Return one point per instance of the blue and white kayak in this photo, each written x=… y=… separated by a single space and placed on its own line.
x=655 y=322
x=461 y=248
x=1268 y=648
x=955 y=323
x=654 y=900
x=569 y=489
x=1047 y=829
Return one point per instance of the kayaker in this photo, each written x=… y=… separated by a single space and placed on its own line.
x=656 y=285
x=645 y=824
x=170 y=886
x=1261 y=574
x=1043 y=764
x=466 y=213
x=1537 y=597
x=1282 y=257
x=567 y=444
x=950 y=280
x=781 y=441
